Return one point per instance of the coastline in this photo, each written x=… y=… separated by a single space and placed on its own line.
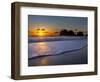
x=70 y=58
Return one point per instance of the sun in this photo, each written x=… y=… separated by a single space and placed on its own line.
x=41 y=32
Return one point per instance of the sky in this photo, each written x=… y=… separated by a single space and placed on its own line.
x=57 y=22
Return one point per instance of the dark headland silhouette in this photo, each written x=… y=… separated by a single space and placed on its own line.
x=65 y=32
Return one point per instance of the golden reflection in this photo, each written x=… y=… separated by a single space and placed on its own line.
x=41 y=48
x=44 y=61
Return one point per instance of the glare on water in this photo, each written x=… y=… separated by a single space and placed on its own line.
x=41 y=48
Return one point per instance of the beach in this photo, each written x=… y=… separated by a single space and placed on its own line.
x=68 y=51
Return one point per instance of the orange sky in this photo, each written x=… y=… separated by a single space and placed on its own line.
x=42 y=32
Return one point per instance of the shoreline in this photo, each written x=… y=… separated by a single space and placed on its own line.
x=51 y=39
x=75 y=57
x=62 y=53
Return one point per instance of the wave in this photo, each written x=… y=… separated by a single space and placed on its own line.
x=49 y=39
x=61 y=53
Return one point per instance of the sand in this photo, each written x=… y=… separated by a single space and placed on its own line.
x=71 y=58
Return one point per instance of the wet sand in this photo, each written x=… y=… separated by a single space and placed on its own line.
x=70 y=58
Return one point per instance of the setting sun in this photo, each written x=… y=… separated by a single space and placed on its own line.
x=41 y=33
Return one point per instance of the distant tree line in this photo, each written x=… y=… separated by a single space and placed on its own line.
x=65 y=32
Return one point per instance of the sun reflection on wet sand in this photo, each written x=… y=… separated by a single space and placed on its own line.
x=41 y=48
x=43 y=61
